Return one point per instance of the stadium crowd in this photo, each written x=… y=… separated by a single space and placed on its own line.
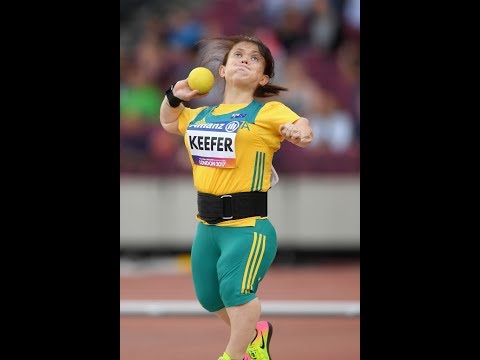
x=316 y=46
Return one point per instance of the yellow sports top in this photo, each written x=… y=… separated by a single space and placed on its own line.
x=231 y=147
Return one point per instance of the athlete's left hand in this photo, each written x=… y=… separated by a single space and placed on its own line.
x=291 y=133
x=299 y=133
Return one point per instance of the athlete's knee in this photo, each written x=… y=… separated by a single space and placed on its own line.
x=231 y=294
x=210 y=302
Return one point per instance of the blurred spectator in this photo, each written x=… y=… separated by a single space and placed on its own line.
x=356 y=116
x=213 y=28
x=348 y=68
x=139 y=99
x=292 y=29
x=252 y=16
x=351 y=19
x=333 y=128
x=185 y=30
x=181 y=62
x=325 y=26
x=166 y=153
x=301 y=87
x=125 y=64
x=139 y=104
x=150 y=59
x=275 y=9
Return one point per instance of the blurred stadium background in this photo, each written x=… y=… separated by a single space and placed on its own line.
x=315 y=207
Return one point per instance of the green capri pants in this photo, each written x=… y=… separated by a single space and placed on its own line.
x=229 y=262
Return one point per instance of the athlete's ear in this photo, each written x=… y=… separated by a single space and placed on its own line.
x=221 y=71
x=264 y=80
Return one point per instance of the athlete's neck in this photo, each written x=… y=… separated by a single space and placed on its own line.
x=237 y=96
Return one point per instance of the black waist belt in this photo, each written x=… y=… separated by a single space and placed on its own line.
x=215 y=209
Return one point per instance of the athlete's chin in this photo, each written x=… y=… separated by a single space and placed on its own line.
x=241 y=75
x=243 y=81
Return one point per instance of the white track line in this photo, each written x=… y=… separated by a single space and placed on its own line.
x=281 y=307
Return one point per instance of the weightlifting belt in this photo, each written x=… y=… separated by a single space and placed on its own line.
x=215 y=209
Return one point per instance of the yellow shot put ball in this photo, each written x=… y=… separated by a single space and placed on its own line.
x=200 y=79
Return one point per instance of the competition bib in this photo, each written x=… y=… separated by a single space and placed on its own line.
x=213 y=144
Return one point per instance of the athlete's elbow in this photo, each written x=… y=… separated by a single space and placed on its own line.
x=171 y=128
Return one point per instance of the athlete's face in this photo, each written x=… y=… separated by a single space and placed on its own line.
x=245 y=66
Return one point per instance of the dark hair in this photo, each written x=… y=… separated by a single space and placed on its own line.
x=214 y=52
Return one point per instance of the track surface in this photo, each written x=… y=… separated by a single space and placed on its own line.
x=205 y=337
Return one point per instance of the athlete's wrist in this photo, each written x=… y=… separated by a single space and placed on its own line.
x=172 y=100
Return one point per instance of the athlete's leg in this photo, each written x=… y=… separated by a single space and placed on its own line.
x=246 y=255
x=204 y=257
x=222 y=314
x=243 y=320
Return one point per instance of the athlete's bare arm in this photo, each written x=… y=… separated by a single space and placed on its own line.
x=169 y=115
x=298 y=133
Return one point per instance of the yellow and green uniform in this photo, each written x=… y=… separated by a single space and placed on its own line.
x=231 y=147
x=257 y=139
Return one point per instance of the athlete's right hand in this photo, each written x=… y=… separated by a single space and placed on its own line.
x=182 y=91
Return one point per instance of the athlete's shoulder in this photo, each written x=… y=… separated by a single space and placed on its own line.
x=273 y=104
x=275 y=107
x=187 y=115
x=198 y=109
x=192 y=112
